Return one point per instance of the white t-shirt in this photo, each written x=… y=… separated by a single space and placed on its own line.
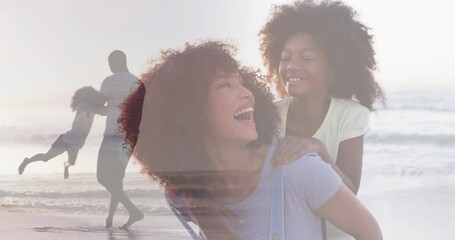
x=116 y=87
x=345 y=119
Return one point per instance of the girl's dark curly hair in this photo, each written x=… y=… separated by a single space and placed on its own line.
x=89 y=96
x=345 y=41
x=164 y=120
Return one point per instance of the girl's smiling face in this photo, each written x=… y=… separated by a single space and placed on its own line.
x=304 y=67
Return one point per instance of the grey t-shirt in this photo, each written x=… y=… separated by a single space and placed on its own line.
x=308 y=183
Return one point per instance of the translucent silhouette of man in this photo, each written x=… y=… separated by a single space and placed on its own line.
x=112 y=158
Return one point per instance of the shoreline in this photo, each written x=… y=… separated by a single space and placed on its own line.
x=21 y=224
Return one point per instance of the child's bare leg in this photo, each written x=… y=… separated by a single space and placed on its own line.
x=72 y=155
x=53 y=152
x=66 y=172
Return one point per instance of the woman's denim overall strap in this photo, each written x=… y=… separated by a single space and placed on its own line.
x=277 y=208
x=177 y=201
x=276 y=218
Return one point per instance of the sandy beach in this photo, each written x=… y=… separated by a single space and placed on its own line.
x=411 y=213
x=20 y=224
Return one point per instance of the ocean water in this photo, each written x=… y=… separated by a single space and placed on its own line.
x=408 y=177
x=80 y=194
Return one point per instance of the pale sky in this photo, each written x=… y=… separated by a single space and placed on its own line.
x=49 y=48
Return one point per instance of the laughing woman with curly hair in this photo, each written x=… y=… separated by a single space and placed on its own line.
x=203 y=127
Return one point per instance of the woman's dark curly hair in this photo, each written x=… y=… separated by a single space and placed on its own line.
x=345 y=41
x=164 y=120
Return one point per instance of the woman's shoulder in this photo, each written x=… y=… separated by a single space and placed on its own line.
x=312 y=178
x=297 y=169
x=307 y=163
x=306 y=168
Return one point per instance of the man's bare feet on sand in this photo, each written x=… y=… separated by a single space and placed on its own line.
x=133 y=218
x=108 y=222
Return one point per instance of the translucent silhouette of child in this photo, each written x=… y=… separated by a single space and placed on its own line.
x=86 y=102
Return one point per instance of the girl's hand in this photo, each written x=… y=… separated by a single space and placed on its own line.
x=291 y=148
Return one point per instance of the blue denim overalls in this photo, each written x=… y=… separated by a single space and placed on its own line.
x=277 y=211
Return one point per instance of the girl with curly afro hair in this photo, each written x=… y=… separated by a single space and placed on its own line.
x=202 y=126
x=321 y=59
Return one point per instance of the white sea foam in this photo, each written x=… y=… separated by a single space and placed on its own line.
x=81 y=193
